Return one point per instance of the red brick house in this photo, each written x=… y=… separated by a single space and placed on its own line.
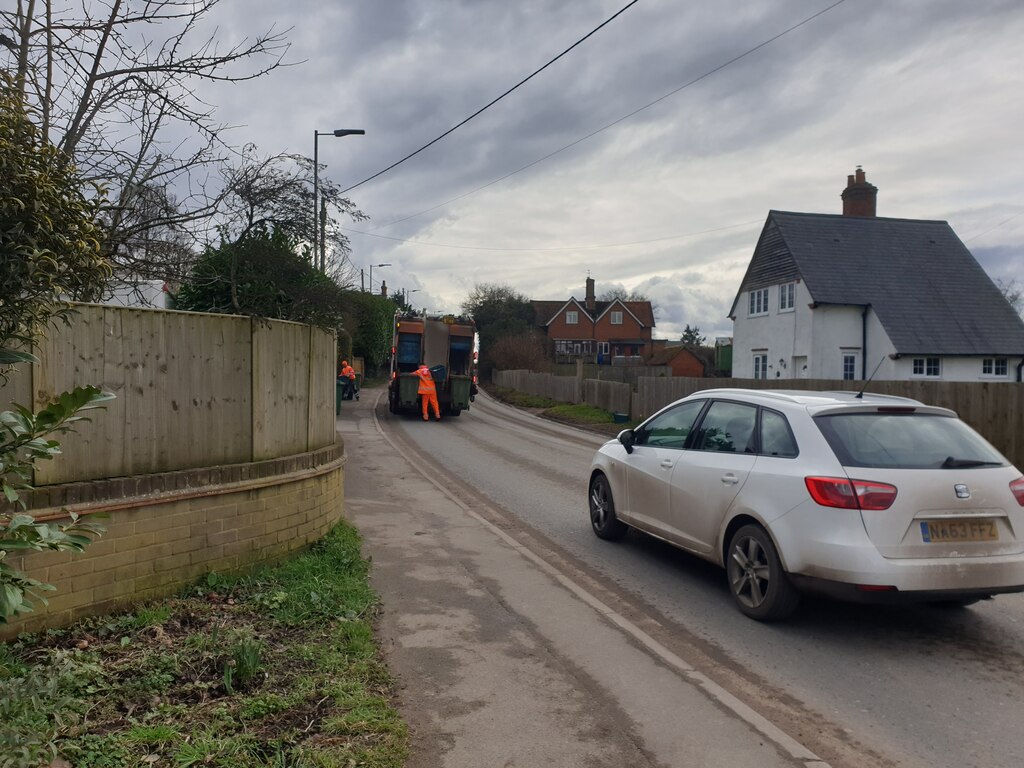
x=681 y=361
x=596 y=331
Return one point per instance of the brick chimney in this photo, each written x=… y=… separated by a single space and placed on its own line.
x=859 y=197
x=591 y=301
x=384 y=288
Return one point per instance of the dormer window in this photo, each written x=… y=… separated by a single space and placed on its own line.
x=572 y=317
x=759 y=302
x=616 y=318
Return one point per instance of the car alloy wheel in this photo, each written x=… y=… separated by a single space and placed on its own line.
x=758 y=583
x=602 y=511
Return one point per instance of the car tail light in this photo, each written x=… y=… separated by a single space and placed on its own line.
x=843 y=493
x=1017 y=489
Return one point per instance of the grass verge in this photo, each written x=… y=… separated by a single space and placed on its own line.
x=520 y=399
x=580 y=415
x=278 y=668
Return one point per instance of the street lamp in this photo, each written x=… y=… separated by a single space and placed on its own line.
x=316 y=189
x=371 y=273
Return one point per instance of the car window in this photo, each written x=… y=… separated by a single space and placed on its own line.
x=776 y=437
x=671 y=428
x=727 y=427
x=905 y=441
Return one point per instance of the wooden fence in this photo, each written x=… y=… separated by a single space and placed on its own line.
x=562 y=388
x=623 y=373
x=193 y=390
x=995 y=409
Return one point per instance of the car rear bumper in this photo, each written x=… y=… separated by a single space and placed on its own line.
x=840 y=552
x=854 y=593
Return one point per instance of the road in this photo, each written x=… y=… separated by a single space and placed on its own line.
x=856 y=685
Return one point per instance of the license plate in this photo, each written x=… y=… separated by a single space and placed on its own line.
x=945 y=531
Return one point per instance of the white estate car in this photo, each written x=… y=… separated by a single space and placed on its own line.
x=861 y=497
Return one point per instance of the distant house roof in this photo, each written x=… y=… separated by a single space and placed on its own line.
x=664 y=356
x=928 y=291
x=545 y=311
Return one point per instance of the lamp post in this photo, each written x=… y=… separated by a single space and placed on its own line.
x=371 y=273
x=321 y=253
x=407 y=294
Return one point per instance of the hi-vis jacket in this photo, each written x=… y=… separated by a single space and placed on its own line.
x=427 y=386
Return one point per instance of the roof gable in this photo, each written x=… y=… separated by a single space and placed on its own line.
x=620 y=303
x=564 y=306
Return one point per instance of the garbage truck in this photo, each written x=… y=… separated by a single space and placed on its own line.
x=448 y=345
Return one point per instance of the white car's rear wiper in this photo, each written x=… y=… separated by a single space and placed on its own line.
x=951 y=463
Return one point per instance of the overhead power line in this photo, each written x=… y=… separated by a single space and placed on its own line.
x=495 y=101
x=997 y=226
x=619 y=120
x=559 y=248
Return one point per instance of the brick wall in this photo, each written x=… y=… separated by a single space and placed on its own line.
x=166 y=530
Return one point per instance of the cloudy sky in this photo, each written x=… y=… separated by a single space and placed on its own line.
x=643 y=158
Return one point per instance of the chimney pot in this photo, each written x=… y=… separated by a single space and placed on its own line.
x=860 y=198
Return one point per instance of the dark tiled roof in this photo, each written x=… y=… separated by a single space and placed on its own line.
x=545 y=310
x=929 y=292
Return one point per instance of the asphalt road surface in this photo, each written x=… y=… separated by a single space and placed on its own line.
x=856 y=685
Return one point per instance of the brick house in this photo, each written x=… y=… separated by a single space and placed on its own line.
x=596 y=331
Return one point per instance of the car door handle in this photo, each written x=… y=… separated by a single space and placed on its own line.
x=730 y=479
x=667 y=463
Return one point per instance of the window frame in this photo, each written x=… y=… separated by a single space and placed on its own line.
x=758 y=304
x=998 y=367
x=699 y=435
x=642 y=434
x=787 y=291
x=572 y=317
x=759 y=430
x=926 y=368
x=615 y=317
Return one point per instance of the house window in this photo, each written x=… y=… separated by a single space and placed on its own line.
x=759 y=302
x=616 y=318
x=787 y=296
x=994 y=366
x=926 y=366
x=602 y=347
x=572 y=317
x=849 y=367
x=761 y=366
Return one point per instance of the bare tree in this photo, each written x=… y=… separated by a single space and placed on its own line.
x=622 y=294
x=278 y=191
x=114 y=82
x=1013 y=291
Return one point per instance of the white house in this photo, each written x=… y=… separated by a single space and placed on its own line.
x=857 y=297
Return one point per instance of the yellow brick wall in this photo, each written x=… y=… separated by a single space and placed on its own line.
x=152 y=549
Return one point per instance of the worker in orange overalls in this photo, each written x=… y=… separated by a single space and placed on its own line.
x=428 y=391
x=348 y=373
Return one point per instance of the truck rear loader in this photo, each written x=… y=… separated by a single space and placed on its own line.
x=447 y=345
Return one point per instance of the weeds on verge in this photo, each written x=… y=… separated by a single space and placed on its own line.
x=274 y=669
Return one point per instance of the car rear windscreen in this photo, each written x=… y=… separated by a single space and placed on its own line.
x=906 y=441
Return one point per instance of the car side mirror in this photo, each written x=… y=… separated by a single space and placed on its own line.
x=626 y=437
